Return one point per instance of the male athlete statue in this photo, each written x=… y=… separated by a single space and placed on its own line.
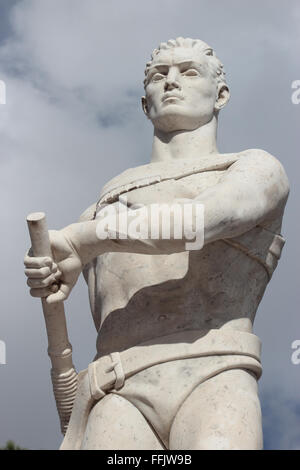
x=177 y=364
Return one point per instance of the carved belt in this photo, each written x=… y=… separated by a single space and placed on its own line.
x=109 y=372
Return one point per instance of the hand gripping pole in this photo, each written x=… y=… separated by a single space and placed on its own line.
x=63 y=374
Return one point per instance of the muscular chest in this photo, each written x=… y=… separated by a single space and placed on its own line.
x=188 y=187
x=130 y=272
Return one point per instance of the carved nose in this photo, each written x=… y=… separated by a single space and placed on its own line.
x=172 y=82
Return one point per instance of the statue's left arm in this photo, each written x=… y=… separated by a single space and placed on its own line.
x=254 y=190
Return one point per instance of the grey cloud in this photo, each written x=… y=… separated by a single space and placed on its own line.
x=281 y=421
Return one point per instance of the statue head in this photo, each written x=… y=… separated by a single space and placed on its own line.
x=185 y=85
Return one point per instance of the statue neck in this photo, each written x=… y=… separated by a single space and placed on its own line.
x=185 y=144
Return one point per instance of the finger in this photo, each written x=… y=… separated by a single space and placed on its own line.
x=57 y=275
x=55 y=298
x=44 y=292
x=54 y=288
x=54 y=267
x=40 y=273
x=41 y=282
x=37 y=261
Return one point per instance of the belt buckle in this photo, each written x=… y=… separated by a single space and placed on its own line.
x=106 y=374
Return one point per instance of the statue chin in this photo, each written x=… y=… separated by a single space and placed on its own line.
x=176 y=121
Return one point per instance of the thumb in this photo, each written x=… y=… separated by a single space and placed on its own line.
x=59 y=296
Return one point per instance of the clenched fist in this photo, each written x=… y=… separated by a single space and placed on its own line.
x=54 y=278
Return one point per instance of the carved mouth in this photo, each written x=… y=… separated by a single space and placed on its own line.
x=171 y=96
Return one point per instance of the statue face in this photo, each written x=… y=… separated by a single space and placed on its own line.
x=181 y=92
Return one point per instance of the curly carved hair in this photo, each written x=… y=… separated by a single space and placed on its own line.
x=215 y=64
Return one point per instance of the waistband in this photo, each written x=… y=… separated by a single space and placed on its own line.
x=110 y=372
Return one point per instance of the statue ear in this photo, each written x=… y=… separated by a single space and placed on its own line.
x=222 y=97
x=144 y=105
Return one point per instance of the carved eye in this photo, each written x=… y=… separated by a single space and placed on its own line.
x=209 y=52
x=191 y=73
x=157 y=76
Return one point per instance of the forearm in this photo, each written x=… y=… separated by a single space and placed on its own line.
x=229 y=213
x=85 y=239
x=170 y=229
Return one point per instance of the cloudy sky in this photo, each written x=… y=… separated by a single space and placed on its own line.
x=74 y=73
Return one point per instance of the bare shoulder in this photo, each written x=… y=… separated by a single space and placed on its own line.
x=88 y=214
x=258 y=183
x=262 y=164
x=258 y=158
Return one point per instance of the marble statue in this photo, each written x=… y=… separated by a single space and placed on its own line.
x=177 y=363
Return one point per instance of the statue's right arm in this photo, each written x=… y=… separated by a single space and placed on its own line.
x=253 y=191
